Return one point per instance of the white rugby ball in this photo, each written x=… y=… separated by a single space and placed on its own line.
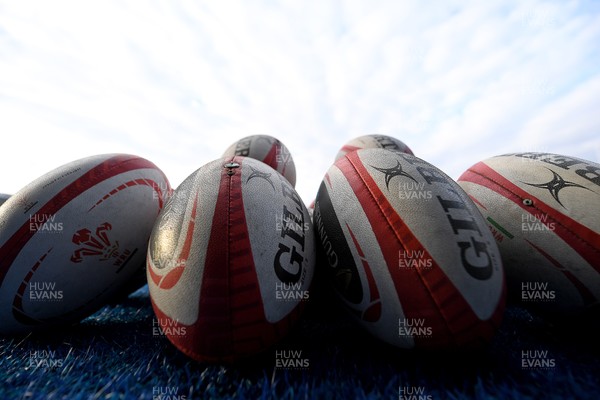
x=74 y=237
x=268 y=150
x=230 y=260
x=373 y=142
x=544 y=211
x=407 y=252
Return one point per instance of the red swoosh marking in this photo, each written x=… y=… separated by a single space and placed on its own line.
x=423 y=293
x=582 y=239
x=170 y=279
x=373 y=311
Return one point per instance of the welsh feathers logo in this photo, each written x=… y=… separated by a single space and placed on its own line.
x=99 y=245
x=94 y=245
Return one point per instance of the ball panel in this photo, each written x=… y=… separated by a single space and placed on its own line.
x=357 y=266
x=529 y=259
x=544 y=230
x=432 y=206
x=581 y=238
x=577 y=292
x=48 y=194
x=567 y=184
x=96 y=233
x=63 y=257
x=334 y=243
x=230 y=319
x=451 y=310
x=360 y=205
x=177 y=247
x=282 y=260
x=229 y=275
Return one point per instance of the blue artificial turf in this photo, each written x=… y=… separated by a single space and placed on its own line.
x=116 y=354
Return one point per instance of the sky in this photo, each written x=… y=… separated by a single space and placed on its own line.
x=177 y=82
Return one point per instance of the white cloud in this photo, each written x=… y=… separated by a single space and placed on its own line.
x=178 y=83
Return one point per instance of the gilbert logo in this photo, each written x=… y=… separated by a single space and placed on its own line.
x=99 y=245
x=555 y=185
x=393 y=172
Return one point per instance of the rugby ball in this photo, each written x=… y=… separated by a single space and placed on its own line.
x=267 y=149
x=407 y=252
x=373 y=142
x=544 y=212
x=74 y=237
x=230 y=260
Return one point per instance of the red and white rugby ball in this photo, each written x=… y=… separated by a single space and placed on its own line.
x=373 y=142
x=74 y=237
x=267 y=149
x=544 y=211
x=230 y=260
x=407 y=251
